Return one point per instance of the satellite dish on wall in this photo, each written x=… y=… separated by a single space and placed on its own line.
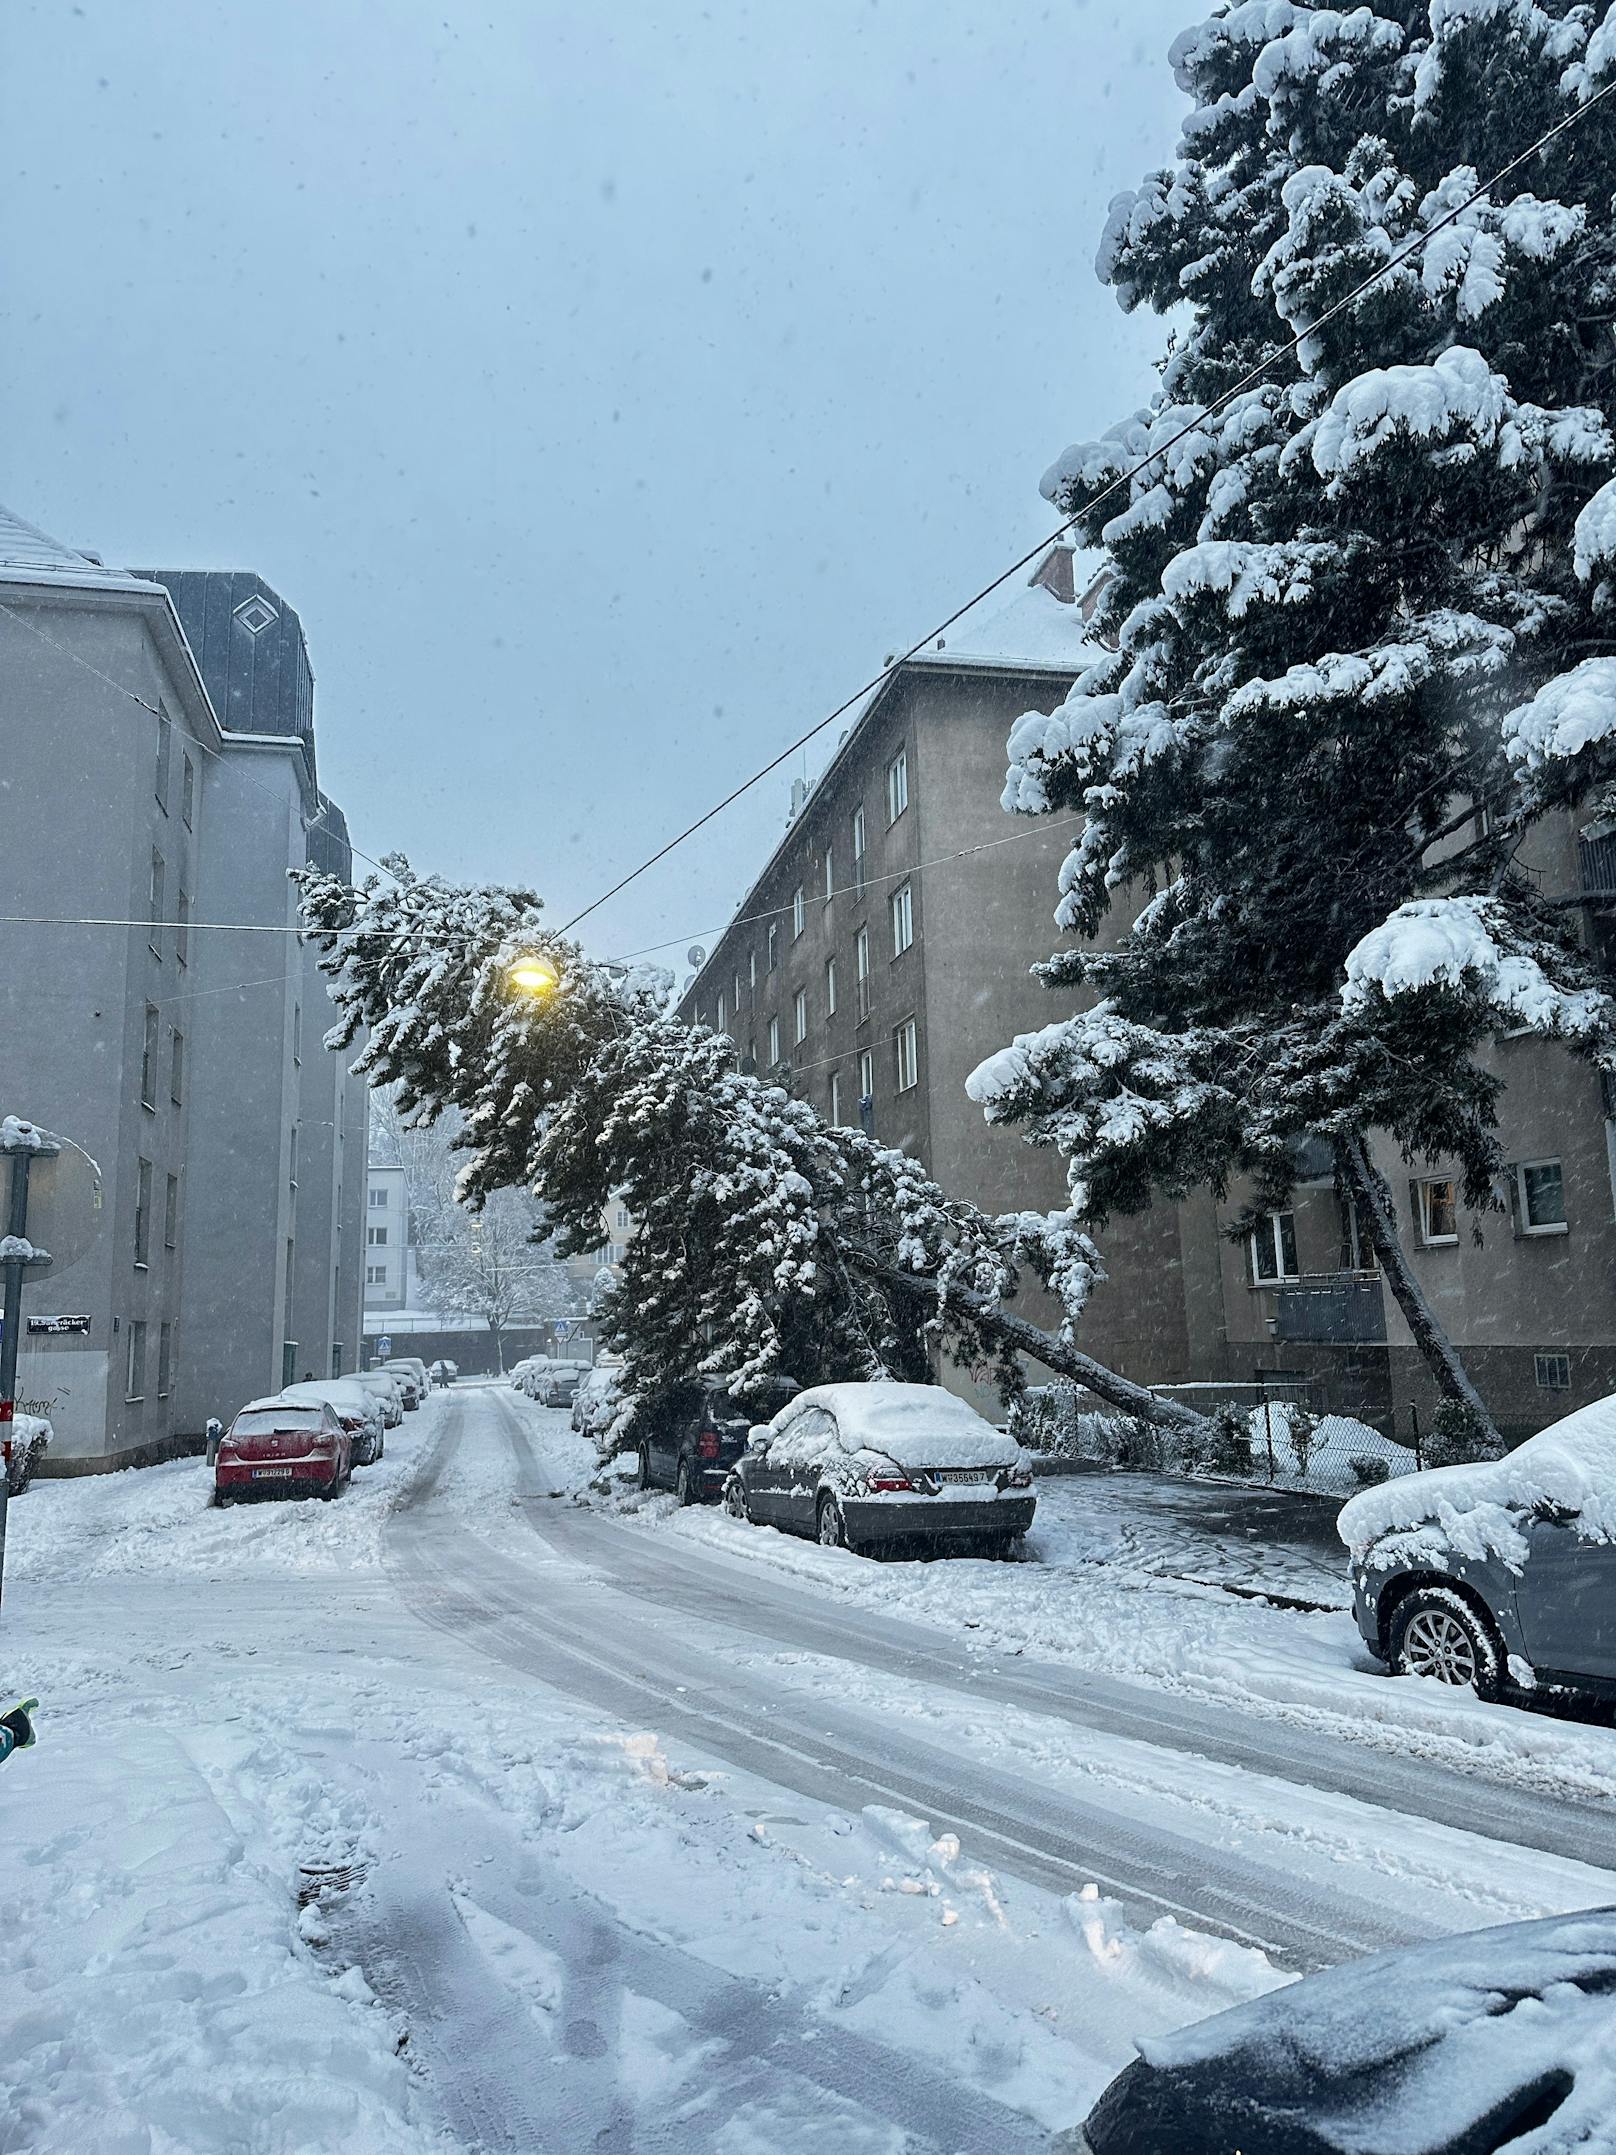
x=697 y=956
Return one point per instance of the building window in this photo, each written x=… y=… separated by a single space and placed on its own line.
x=165 y=1359
x=830 y=987
x=376 y=1237
x=897 y=785
x=835 y=1099
x=620 y=1218
x=861 y=970
x=1540 y=1198
x=171 y=1214
x=158 y=883
x=143 y=1189
x=1553 y=1372
x=1273 y=1248
x=858 y=850
x=866 y=1069
x=774 y=1042
x=134 y=1386
x=165 y=751
x=188 y=793
x=798 y=912
x=774 y=944
x=1357 y=1250
x=297 y=1033
x=723 y=1016
x=903 y=920
x=799 y=1015
x=375 y=1275
x=176 y=1066
x=1437 y=1210
x=148 y=1059
x=906 y=1055
x=736 y=1005
x=182 y=926
x=830 y=876
x=291 y=1159
x=751 y=970
x=378 y=1200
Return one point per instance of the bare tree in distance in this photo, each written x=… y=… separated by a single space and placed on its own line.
x=488 y=1264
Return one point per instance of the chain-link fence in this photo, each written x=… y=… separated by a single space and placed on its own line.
x=1282 y=1433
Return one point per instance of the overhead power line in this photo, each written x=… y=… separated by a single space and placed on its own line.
x=1238 y=388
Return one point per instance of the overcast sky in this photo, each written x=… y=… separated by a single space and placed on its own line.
x=608 y=387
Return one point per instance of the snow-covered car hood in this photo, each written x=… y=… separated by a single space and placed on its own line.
x=914 y=1425
x=1570 y=1467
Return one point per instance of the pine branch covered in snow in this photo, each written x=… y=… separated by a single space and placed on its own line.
x=1372 y=598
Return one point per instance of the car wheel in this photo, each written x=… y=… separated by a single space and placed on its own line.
x=642 y=1477
x=832 y=1527
x=735 y=1499
x=1437 y=1632
x=684 y=1487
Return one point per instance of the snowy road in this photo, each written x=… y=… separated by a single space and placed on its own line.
x=487 y=1810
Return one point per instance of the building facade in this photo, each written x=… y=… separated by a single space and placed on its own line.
x=387 y=1247
x=173 y=1050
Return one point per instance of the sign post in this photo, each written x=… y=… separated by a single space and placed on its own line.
x=20 y=1145
x=384 y=1345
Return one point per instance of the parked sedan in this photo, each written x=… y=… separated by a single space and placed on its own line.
x=358 y=1410
x=898 y=1465
x=410 y=1370
x=277 y=1448
x=1495 y=2039
x=386 y=1389
x=1496 y=1577
x=555 y=1384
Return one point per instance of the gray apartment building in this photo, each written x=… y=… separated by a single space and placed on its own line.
x=876 y=960
x=157 y=769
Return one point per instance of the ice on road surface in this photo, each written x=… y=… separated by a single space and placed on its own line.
x=489 y=1808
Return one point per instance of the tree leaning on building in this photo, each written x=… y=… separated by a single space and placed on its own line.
x=1362 y=619
x=766 y=1242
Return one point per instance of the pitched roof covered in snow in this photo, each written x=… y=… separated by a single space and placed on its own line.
x=31 y=556
x=1035 y=623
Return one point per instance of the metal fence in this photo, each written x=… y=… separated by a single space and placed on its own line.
x=1282 y=1433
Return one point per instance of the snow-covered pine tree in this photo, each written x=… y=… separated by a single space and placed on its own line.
x=766 y=1242
x=1362 y=615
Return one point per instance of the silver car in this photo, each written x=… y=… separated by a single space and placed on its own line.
x=1500 y=1577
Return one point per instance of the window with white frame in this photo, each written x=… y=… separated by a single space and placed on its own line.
x=858 y=850
x=866 y=1077
x=798 y=912
x=774 y=1042
x=378 y=1200
x=830 y=987
x=903 y=920
x=1436 y=1201
x=830 y=875
x=897 y=785
x=906 y=1055
x=376 y=1237
x=774 y=944
x=799 y=1016
x=1553 y=1372
x=134 y=1386
x=723 y=1015
x=736 y=1005
x=1539 y=1198
x=835 y=1099
x=375 y=1275
x=751 y=969
x=861 y=970
x=1272 y=1243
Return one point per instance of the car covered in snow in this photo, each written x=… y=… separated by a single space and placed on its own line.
x=358 y=1410
x=1494 y=2039
x=595 y=1405
x=859 y=1466
x=1499 y=1576
x=556 y=1384
x=283 y=1447
x=384 y=1387
x=691 y=1439
x=411 y=1371
x=524 y=1371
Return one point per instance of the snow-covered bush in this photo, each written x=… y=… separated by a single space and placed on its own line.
x=1457 y=1439
x=1231 y=1443
x=1369 y=1469
x=28 y=1437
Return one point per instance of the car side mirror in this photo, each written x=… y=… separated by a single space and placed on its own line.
x=757 y=1436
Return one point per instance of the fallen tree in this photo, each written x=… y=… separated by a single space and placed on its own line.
x=767 y=1243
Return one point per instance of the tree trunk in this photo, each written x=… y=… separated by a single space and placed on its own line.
x=499 y=1346
x=1040 y=1346
x=1367 y=1186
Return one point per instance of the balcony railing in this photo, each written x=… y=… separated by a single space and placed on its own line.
x=1596 y=862
x=1331 y=1306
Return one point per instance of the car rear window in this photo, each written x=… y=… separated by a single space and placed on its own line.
x=268 y=1421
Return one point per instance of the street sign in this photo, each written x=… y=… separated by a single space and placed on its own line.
x=66 y=1206
x=384 y=1345
x=59 y=1324
x=563 y=1331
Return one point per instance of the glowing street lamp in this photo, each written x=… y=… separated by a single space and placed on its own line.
x=530 y=974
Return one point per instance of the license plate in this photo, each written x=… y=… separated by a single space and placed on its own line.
x=269 y=1474
x=963 y=1474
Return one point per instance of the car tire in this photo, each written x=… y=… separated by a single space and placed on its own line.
x=642 y=1474
x=1438 y=1632
x=734 y=1500
x=831 y=1527
x=684 y=1487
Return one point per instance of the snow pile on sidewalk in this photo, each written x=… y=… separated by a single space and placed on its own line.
x=1479 y=1511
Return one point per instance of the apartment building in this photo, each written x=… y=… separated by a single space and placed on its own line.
x=184 y=1056
x=387 y=1243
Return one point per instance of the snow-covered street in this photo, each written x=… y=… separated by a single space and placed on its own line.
x=497 y=1807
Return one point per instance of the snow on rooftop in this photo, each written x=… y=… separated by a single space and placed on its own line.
x=31 y=556
x=1034 y=620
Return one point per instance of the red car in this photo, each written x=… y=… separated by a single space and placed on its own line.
x=278 y=1447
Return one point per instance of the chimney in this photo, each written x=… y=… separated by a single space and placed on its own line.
x=799 y=799
x=1054 y=574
